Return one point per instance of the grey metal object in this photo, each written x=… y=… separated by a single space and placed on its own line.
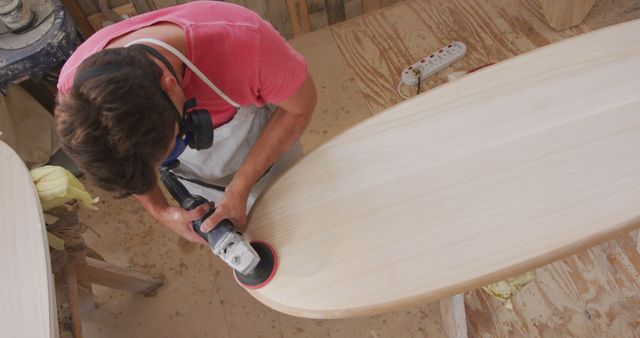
x=42 y=48
x=16 y=15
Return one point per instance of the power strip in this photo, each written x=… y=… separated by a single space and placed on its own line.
x=433 y=63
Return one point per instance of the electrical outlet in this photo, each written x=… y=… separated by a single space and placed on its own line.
x=433 y=63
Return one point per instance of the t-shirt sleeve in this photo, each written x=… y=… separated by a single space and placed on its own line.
x=281 y=69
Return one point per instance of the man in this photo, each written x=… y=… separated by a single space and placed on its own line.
x=125 y=94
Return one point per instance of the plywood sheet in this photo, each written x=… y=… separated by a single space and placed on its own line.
x=340 y=103
x=378 y=46
x=533 y=156
x=594 y=293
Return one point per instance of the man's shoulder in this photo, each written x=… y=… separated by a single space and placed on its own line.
x=216 y=13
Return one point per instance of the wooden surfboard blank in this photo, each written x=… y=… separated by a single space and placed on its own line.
x=511 y=168
x=27 y=303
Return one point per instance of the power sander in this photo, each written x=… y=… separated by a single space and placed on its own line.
x=254 y=263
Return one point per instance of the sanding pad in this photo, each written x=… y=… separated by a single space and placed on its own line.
x=266 y=269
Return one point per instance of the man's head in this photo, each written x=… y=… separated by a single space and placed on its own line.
x=116 y=124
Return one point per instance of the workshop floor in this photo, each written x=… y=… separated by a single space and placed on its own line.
x=355 y=65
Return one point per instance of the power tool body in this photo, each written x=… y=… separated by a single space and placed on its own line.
x=225 y=240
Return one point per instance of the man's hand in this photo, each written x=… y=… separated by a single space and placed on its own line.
x=174 y=218
x=179 y=220
x=232 y=207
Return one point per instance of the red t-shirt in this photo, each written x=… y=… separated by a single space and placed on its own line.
x=243 y=55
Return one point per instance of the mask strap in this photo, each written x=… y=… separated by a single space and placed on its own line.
x=81 y=78
x=160 y=58
x=188 y=63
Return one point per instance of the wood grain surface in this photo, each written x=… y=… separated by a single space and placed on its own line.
x=27 y=306
x=550 y=306
x=508 y=169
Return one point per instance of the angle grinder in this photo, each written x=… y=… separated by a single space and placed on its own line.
x=254 y=263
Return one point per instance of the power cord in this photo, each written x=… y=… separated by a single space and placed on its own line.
x=400 y=91
x=417 y=73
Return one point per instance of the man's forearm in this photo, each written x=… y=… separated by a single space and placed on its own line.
x=153 y=202
x=283 y=129
x=280 y=133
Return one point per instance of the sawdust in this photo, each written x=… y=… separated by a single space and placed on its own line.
x=186 y=246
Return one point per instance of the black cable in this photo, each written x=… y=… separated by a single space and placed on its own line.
x=213 y=186
x=202 y=183
x=419 y=82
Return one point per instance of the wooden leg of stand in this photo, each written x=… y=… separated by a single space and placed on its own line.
x=566 y=13
x=74 y=301
x=85 y=289
x=453 y=315
x=93 y=254
x=103 y=273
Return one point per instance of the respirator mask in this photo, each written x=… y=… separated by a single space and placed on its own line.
x=195 y=126
x=195 y=130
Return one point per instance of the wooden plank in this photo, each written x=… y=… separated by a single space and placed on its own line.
x=279 y=17
x=238 y=2
x=299 y=16
x=79 y=16
x=85 y=288
x=563 y=14
x=371 y=5
x=41 y=92
x=99 y=21
x=352 y=8
x=315 y=6
x=88 y=6
x=103 y=273
x=158 y=4
x=141 y=6
x=259 y=7
x=374 y=5
x=317 y=14
x=454 y=319
x=318 y=20
x=335 y=11
x=74 y=301
x=513 y=169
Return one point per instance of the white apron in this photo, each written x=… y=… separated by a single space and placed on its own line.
x=232 y=142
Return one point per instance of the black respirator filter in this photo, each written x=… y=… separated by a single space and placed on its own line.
x=200 y=128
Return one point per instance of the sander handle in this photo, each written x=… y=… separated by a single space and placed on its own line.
x=225 y=240
x=190 y=202
x=213 y=236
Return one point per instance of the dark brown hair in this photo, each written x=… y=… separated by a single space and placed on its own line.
x=115 y=124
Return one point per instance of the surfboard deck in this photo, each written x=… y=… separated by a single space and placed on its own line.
x=508 y=169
